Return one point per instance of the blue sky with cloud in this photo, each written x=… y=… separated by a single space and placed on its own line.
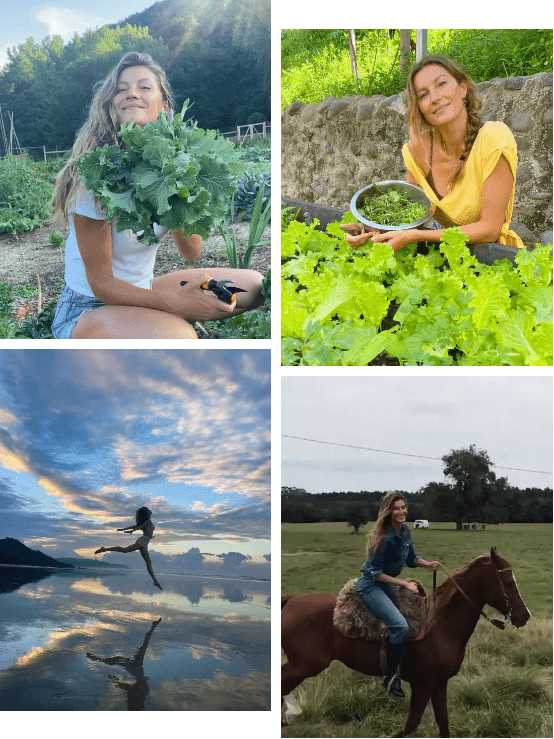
x=88 y=436
x=509 y=416
x=20 y=19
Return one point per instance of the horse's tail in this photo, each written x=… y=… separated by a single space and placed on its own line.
x=285 y=599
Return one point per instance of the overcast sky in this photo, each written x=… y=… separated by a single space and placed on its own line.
x=89 y=436
x=20 y=19
x=510 y=418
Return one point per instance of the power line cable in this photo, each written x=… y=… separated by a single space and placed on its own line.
x=403 y=454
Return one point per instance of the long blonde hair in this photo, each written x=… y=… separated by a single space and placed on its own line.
x=100 y=128
x=418 y=124
x=383 y=520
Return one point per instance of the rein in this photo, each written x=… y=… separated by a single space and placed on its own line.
x=494 y=621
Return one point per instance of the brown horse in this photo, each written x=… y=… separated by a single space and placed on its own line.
x=311 y=642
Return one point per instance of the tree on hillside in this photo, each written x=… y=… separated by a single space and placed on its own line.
x=473 y=482
x=48 y=86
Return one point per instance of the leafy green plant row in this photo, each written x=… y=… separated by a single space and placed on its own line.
x=447 y=308
x=31 y=328
x=25 y=190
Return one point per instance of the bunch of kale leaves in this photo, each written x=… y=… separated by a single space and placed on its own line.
x=171 y=173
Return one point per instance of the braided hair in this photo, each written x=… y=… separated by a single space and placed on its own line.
x=473 y=104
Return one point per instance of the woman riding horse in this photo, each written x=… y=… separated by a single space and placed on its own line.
x=311 y=641
x=390 y=548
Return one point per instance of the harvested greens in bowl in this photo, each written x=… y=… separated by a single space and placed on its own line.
x=392 y=208
x=391 y=205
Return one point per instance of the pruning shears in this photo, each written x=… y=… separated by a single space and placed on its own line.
x=220 y=289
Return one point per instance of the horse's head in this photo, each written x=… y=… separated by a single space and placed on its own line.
x=502 y=592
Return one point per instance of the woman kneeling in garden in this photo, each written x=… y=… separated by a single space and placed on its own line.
x=110 y=291
x=466 y=167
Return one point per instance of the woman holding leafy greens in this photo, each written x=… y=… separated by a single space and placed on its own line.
x=466 y=167
x=110 y=291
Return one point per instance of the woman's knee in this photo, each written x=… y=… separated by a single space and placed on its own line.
x=252 y=282
x=129 y=322
x=399 y=631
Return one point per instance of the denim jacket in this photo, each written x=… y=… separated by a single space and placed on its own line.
x=394 y=552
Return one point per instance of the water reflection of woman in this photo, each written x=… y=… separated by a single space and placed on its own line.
x=143 y=523
x=136 y=692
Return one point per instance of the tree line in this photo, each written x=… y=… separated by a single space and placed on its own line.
x=216 y=54
x=471 y=493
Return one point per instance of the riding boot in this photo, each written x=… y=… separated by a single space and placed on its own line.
x=392 y=681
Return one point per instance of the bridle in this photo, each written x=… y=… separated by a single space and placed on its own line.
x=494 y=621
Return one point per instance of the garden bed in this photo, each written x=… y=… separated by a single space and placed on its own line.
x=24 y=256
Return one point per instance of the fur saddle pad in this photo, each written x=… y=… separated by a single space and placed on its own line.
x=354 y=619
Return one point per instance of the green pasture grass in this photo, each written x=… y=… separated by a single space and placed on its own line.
x=321 y=557
x=504 y=688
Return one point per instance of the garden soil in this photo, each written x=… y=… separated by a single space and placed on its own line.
x=29 y=257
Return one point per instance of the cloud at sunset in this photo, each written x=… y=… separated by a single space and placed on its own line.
x=88 y=436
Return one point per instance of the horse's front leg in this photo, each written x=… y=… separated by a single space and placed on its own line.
x=418 y=702
x=438 y=698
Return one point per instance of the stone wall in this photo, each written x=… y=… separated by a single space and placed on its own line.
x=332 y=149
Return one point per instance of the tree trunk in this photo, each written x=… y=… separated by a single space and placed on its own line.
x=404 y=49
x=353 y=58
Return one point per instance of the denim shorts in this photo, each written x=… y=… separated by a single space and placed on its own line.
x=71 y=306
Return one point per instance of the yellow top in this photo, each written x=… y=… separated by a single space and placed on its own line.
x=463 y=204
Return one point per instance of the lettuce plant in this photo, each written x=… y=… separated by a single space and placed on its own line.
x=450 y=309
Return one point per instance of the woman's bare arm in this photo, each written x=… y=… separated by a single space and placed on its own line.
x=188 y=247
x=94 y=238
x=495 y=196
x=95 y=245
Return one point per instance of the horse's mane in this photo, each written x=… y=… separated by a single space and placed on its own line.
x=443 y=595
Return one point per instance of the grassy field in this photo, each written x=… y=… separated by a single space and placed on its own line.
x=504 y=688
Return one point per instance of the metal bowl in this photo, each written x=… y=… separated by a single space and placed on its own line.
x=414 y=193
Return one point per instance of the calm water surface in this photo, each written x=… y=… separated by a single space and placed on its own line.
x=104 y=641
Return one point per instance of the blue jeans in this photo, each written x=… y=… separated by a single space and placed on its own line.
x=377 y=597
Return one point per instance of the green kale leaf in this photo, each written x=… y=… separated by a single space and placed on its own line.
x=170 y=172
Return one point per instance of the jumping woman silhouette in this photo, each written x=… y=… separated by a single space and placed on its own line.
x=143 y=522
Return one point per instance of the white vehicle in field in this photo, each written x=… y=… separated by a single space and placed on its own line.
x=421 y=523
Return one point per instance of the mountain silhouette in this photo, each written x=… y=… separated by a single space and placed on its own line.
x=13 y=552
